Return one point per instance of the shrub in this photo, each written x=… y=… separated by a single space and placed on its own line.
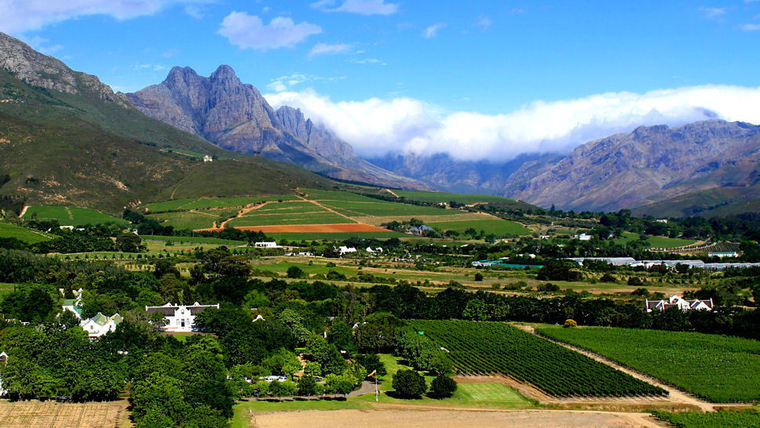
x=295 y=272
x=409 y=384
x=307 y=385
x=607 y=278
x=442 y=387
x=282 y=389
x=570 y=324
x=641 y=291
x=478 y=276
x=635 y=280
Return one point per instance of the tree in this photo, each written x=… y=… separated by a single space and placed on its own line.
x=341 y=336
x=409 y=384
x=570 y=324
x=372 y=362
x=478 y=276
x=307 y=385
x=128 y=242
x=296 y=272
x=476 y=310
x=442 y=387
x=339 y=384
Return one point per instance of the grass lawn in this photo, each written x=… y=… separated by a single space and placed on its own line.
x=70 y=216
x=22 y=234
x=494 y=226
x=654 y=241
x=241 y=418
x=718 y=368
x=192 y=239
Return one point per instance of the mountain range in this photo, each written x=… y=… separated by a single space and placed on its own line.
x=65 y=137
x=234 y=116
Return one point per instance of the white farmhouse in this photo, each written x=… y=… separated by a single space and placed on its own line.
x=266 y=244
x=207 y=158
x=100 y=324
x=680 y=303
x=345 y=250
x=180 y=318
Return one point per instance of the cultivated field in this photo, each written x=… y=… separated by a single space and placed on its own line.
x=656 y=241
x=439 y=197
x=52 y=414
x=487 y=225
x=488 y=347
x=718 y=368
x=720 y=419
x=22 y=234
x=208 y=203
x=69 y=216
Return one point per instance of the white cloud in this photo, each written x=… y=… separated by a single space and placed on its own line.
x=712 y=12
x=195 y=11
x=151 y=67
x=249 y=32
x=329 y=49
x=369 y=61
x=42 y=44
x=378 y=126
x=432 y=30
x=24 y=15
x=361 y=7
x=288 y=81
x=484 y=23
x=750 y=27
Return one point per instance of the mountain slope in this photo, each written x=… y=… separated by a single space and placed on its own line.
x=234 y=116
x=67 y=138
x=650 y=164
x=718 y=201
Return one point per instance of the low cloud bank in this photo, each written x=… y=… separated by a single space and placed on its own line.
x=377 y=126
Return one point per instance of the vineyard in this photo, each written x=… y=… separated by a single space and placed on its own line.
x=489 y=347
x=720 y=419
x=718 y=368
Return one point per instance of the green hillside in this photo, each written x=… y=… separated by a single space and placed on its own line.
x=22 y=234
x=80 y=150
x=464 y=199
x=720 y=201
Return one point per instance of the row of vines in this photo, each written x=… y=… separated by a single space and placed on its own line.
x=493 y=347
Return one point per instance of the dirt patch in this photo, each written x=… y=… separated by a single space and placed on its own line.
x=415 y=418
x=308 y=228
x=52 y=414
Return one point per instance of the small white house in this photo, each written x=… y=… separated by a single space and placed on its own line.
x=180 y=318
x=680 y=303
x=100 y=324
x=346 y=250
x=266 y=244
x=207 y=158
x=722 y=254
x=583 y=237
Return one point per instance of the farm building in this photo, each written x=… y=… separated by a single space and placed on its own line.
x=680 y=303
x=583 y=237
x=100 y=324
x=614 y=261
x=266 y=244
x=420 y=230
x=722 y=254
x=207 y=158
x=345 y=250
x=180 y=318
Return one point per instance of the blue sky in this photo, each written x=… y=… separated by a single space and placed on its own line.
x=435 y=62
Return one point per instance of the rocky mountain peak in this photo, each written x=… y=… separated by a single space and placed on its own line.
x=36 y=69
x=224 y=73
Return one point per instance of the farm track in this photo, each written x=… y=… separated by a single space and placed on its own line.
x=674 y=395
x=241 y=213
x=326 y=208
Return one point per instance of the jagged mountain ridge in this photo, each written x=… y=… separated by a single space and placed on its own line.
x=67 y=138
x=645 y=166
x=235 y=116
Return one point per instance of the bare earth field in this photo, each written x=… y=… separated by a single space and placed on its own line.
x=415 y=418
x=59 y=415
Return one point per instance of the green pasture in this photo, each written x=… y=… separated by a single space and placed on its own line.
x=207 y=203
x=378 y=208
x=192 y=240
x=22 y=234
x=69 y=216
x=336 y=236
x=186 y=220
x=322 y=217
x=718 y=368
x=654 y=241
x=489 y=226
x=438 y=197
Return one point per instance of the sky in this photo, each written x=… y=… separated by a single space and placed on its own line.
x=478 y=79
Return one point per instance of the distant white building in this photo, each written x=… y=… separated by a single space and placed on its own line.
x=722 y=254
x=662 y=220
x=583 y=237
x=100 y=324
x=180 y=318
x=680 y=303
x=207 y=158
x=266 y=244
x=346 y=250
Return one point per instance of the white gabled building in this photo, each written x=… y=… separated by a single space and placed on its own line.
x=266 y=244
x=180 y=318
x=680 y=303
x=346 y=250
x=100 y=324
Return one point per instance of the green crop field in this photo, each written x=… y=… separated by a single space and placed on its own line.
x=719 y=419
x=286 y=207
x=22 y=234
x=192 y=240
x=437 y=197
x=332 y=195
x=337 y=236
x=494 y=226
x=206 y=203
x=718 y=368
x=69 y=216
x=383 y=209
x=486 y=347
x=186 y=219
x=654 y=241
x=322 y=217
